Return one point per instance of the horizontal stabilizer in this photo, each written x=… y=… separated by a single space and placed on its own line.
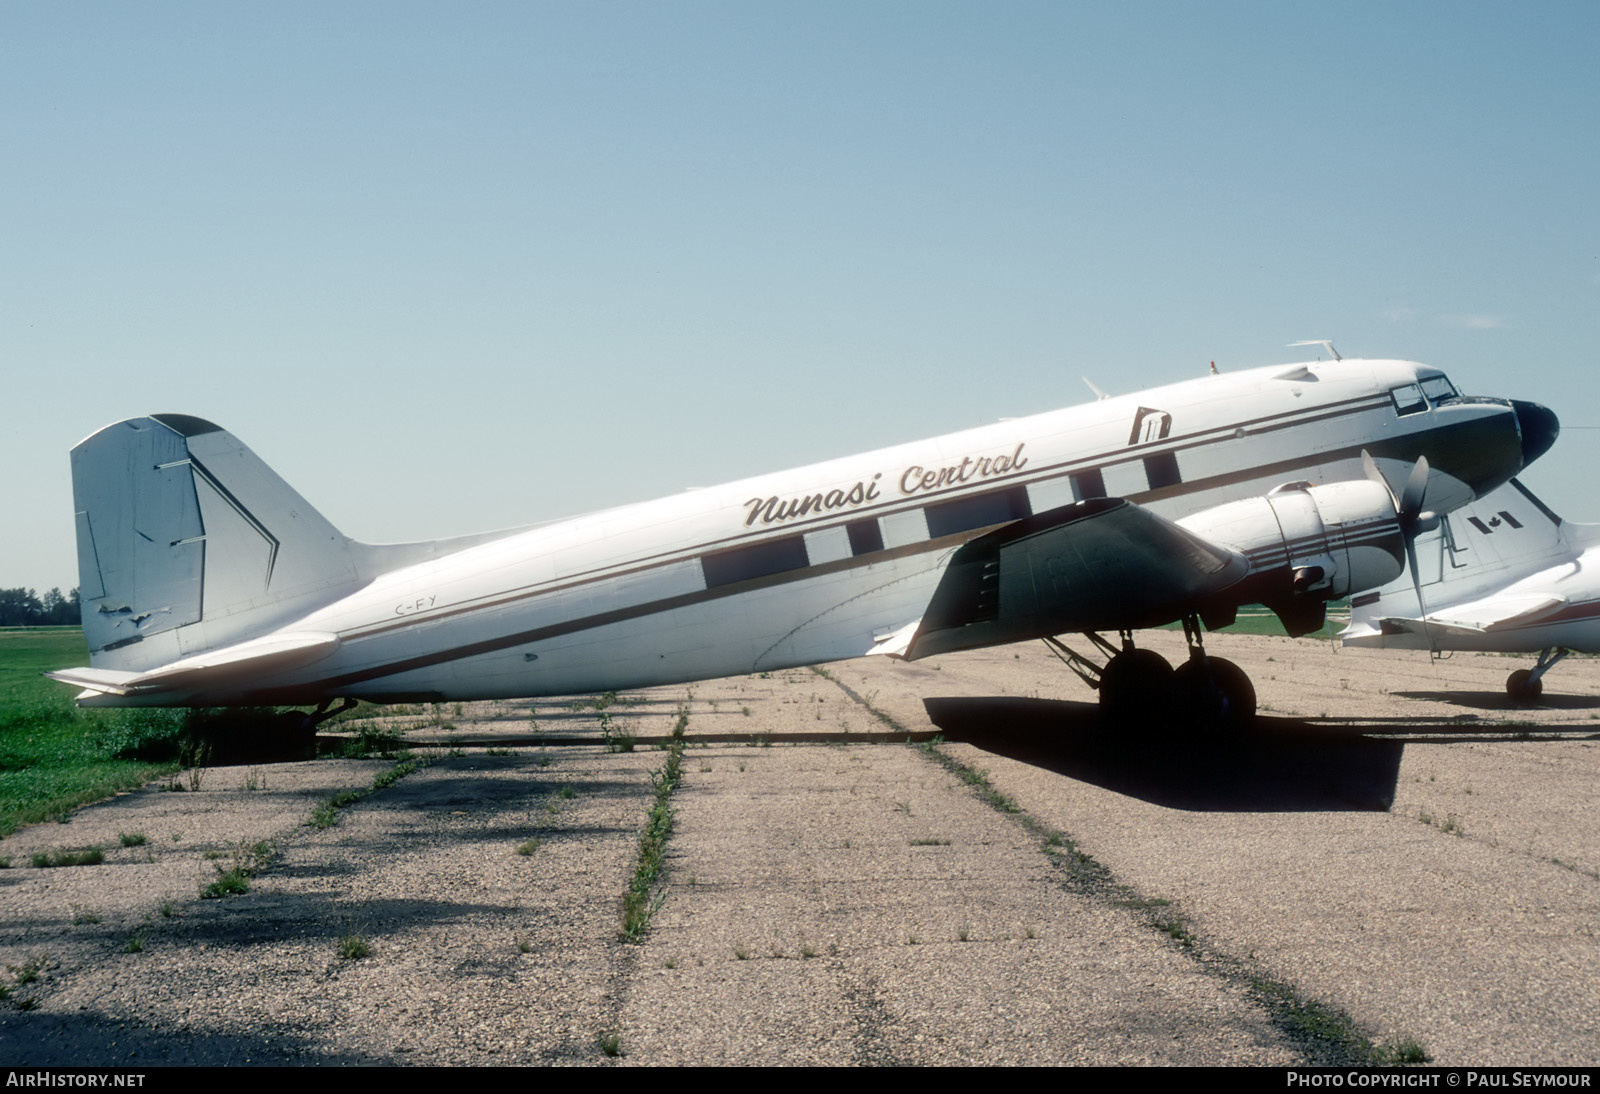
x=104 y=681
x=216 y=669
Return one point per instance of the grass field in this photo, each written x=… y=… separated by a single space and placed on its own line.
x=1255 y=619
x=54 y=756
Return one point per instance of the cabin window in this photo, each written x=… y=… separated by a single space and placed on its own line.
x=1162 y=470
x=773 y=556
x=1088 y=484
x=865 y=536
x=1408 y=400
x=964 y=514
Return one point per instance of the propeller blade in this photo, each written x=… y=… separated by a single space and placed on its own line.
x=1416 y=583
x=1416 y=489
x=1408 y=508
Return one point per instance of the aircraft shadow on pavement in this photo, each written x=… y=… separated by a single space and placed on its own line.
x=1499 y=700
x=1281 y=765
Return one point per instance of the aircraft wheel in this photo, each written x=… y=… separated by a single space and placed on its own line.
x=1136 y=687
x=297 y=725
x=1522 y=687
x=1216 y=693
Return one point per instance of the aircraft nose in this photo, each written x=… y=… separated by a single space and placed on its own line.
x=1539 y=426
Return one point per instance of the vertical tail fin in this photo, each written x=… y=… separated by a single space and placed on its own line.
x=187 y=541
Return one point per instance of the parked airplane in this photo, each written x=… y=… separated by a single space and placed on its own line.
x=206 y=580
x=1504 y=574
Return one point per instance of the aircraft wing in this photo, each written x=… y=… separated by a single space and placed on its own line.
x=1102 y=564
x=1492 y=613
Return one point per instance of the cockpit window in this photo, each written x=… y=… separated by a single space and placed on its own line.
x=1408 y=400
x=1437 y=388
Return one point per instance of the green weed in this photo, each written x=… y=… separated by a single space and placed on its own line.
x=395 y=773
x=88 y=856
x=1397 y=1053
x=233 y=879
x=637 y=904
x=28 y=971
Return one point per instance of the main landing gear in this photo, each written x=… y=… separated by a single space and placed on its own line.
x=1526 y=685
x=1141 y=688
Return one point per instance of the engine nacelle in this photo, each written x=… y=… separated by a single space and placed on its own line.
x=1312 y=542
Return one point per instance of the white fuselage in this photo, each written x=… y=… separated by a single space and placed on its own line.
x=209 y=581
x=824 y=562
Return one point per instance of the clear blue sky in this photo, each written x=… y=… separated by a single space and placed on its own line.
x=450 y=267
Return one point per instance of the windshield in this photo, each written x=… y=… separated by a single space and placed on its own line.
x=1427 y=392
x=1437 y=388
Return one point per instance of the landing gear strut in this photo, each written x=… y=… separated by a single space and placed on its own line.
x=1526 y=685
x=1140 y=687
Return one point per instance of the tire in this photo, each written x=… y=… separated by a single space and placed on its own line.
x=1523 y=688
x=1136 y=688
x=1215 y=694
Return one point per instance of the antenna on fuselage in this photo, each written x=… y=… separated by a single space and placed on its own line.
x=1320 y=342
x=1098 y=394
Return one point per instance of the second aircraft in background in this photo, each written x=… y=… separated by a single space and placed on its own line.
x=1502 y=575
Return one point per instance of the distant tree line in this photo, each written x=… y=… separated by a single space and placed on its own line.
x=25 y=608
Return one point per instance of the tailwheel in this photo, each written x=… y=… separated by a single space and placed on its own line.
x=1136 y=687
x=1215 y=693
x=1524 y=687
x=297 y=725
x=301 y=726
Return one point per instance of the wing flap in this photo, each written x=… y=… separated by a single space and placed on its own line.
x=896 y=642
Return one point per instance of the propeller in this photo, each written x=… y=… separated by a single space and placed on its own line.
x=1413 y=520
